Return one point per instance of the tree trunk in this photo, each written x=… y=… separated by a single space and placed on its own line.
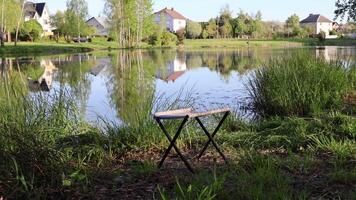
x=18 y=24
x=8 y=36
x=2 y=34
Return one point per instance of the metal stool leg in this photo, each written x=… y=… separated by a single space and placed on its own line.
x=212 y=136
x=172 y=143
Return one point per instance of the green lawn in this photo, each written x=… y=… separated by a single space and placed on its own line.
x=51 y=47
x=293 y=42
x=233 y=43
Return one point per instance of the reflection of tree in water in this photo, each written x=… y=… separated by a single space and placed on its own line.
x=15 y=72
x=224 y=61
x=73 y=75
x=131 y=84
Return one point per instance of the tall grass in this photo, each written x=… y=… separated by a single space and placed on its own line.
x=46 y=144
x=299 y=85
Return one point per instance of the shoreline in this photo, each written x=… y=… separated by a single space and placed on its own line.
x=52 y=48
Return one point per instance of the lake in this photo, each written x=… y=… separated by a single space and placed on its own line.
x=118 y=84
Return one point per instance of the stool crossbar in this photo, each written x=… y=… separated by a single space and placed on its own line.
x=185 y=115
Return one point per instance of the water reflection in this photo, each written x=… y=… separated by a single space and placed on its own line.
x=44 y=82
x=122 y=85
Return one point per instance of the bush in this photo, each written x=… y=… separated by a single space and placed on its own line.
x=298 y=86
x=31 y=30
x=333 y=32
x=168 y=39
x=180 y=36
x=322 y=36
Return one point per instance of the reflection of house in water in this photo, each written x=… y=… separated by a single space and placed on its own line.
x=175 y=69
x=102 y=63
x=44 y=83
x=327 y=52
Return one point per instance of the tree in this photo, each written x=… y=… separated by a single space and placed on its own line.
x=129 y=20
x=292 y=24
x=22 y=3
x=10 y=11
x=224 y=19
x=193 y=29
x=256 y=25
x=240 y=24
x=32 y=30
x=346 y=8
x=212 y=29
x=78 y=9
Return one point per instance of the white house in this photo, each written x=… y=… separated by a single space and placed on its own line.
x=100 y=26
x=175 y=21
x=45 y=82
x=175 y=69
x=39 y=12
x=318 y=23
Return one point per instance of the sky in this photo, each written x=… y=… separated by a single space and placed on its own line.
x=202 y=10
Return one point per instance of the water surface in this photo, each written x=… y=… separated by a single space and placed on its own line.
x=115 y=85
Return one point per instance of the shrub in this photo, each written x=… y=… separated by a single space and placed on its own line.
x=31 y=30
x=168 y=39
x=322 y=36
x=298 y=86
x=180 y=36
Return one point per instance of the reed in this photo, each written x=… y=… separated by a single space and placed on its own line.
x=299 y=85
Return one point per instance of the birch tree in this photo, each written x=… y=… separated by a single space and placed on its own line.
x=129 y=20
x=78 y=9
x=9 y=12
x=21 y=2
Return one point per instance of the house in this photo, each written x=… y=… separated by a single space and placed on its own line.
x=175 y=69
x=45 y=82
x=39 y=12
x=174 y=20
x=318 y=23
x=100 y=26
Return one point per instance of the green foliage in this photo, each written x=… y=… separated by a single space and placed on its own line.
x=193 y=29
x=163 y=39
x=292 y=24
x=204 y=187
x=288 y=87
x=261 y=178
x=168 y=39
x=31 y=30
x=11 y=12
x=211 y=29
x=130 y=21
x=322 y=36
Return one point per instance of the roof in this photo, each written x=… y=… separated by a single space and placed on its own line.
x=102 y=21
x=171 y=12
x=174 y=76
x=315 y=18
x=40 y=8
x=32 y=8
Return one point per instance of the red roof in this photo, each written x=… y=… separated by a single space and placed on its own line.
x=171 y=12
x=174 y=76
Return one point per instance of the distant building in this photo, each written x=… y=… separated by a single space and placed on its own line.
x=44 y=83
x=175 y=69
x=100 y=26
x=40 y=13
x=174 y=20
x=318 y=23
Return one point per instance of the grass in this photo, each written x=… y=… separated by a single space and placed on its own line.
x=327 y=42
x=234 y=43
x=288 y=87
x=47 y=47
x=49 y=151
